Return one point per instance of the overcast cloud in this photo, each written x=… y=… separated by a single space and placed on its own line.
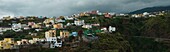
x=68 y=7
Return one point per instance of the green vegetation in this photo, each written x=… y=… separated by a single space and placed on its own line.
x=123 y=40
x=157 y=27
x=107 y=42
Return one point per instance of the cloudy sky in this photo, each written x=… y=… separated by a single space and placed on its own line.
x=68 y=7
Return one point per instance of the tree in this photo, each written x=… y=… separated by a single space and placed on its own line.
x=156 y=27
x=108 y=42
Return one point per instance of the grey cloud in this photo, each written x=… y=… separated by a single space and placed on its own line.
x=68 y=7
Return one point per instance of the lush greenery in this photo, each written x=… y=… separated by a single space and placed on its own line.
x=125 y=39
x=107 y=43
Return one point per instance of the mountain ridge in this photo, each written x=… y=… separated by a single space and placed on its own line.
x=151 y=9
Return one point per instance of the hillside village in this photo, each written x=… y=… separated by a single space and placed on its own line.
x=56 y=32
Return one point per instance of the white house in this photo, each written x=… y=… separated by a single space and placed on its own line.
x=135 y=15
x=51 y=38
x=95 y=24
x=19 y=42
x=111 y=29
x=152 y=15
x=59 y=20
x=26 y=28
x=16 y=27
x=31 y=41
x=93 y=17
x=104 y=29
x=121 y=14
x=42 y=39
x=35 y=39
x=145 y=13
x=79 y=22
x=68 y=24
x=59 y=42
x=38 y=29
x=33 y=34
x=48 y=25
x=87 y=26
x=112 y=13
x=100 y=13
x=68 y=18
